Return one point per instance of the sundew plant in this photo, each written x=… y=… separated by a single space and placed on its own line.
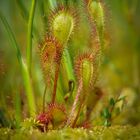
x=59 y=68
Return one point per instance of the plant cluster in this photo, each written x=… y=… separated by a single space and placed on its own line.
x=63 y=25
x=71 y=75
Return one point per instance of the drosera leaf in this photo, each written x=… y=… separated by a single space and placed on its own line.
x=54 y=117
x=97 y=14
x=50 y=51
x=62 y=23
x=85 y=71
x=58 y=114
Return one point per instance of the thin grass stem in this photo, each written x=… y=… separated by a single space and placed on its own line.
x=25 y=74
x=29 y=35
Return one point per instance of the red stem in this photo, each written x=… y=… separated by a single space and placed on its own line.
x=75 y=103
x=44 y=95
x=75 y=120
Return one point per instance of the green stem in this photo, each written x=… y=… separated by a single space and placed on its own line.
x=28 y=88
x=29 y=35
x=25 y=74
x=59 y=95
x=68 y=66
x=25 y=15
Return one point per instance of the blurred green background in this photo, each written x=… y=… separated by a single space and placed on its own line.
x=120 y=71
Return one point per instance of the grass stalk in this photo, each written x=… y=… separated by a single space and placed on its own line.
x=25 y=74
x=68 y=67
x=29 y=35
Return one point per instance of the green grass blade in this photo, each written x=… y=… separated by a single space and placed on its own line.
x=29 y=90
x=68 y=66
x=22 y=9
x=25 y=73
x=11 y=37
x=29 y=35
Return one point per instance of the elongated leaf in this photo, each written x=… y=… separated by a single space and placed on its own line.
x=23 y=66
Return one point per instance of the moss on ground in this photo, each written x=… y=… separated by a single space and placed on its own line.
x=97 y=133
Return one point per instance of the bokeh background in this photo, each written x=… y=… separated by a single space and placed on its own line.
x=120 y=71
